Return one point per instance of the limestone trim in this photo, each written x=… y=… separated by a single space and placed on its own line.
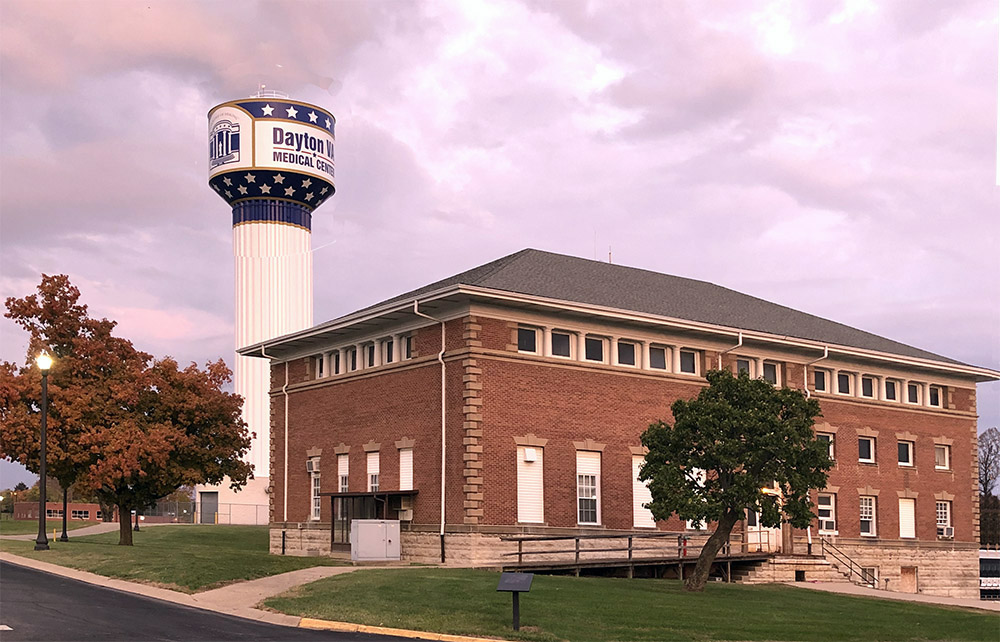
x=832 y=489
x=314 y=452
x=826 y=427
x=589 y=444
x=906 y=436
x=406 y=442
x=944 y=441
x=531 y=441
x=641 y=451
x=866 y=431
x=473 y=504
x=371 y=447
x=341 y=449
x=868 y=491
x=906 y=493
x=944 y=496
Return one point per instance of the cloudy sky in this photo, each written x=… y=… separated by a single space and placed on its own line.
x=838 y=157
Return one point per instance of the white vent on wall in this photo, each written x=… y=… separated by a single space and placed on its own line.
x=530 y=454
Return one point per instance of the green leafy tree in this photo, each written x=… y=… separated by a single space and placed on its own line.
x=738 y=436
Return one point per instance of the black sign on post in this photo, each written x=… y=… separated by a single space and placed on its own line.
x=515 y=584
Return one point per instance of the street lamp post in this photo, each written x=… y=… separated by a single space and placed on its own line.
x=44 y=362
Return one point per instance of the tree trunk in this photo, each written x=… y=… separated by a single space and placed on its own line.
x=696 y=581
x=124 y=525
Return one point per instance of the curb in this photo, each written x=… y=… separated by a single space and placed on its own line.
x=348 y=627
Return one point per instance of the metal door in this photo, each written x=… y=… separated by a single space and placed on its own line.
x=209 y=507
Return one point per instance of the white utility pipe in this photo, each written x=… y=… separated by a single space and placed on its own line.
x=417 y=312
x=284 y=484
x=740 y=344
x=805 y=370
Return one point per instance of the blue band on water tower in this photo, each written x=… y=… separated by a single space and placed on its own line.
x=272 y=211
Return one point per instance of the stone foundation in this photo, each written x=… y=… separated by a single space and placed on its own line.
x=301 y=539
x=943 y=568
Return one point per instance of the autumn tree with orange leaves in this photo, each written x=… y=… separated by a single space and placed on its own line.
x=131 y=428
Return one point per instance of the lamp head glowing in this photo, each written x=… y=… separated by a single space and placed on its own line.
x=43 y=361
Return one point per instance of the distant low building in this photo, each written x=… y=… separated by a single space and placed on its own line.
x=54 y=510
x=551 y=367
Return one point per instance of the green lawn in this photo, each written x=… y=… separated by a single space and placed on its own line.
x=185 y=558
x=600 y=609
x=25 y=526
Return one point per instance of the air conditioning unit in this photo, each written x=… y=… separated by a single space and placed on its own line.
x=946 y=532
x=312 y=465
x=827 y=525
x=405 y=515
x=530 y=455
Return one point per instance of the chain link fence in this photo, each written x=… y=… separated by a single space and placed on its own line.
x=206 y=513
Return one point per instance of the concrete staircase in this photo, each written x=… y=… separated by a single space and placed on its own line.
x=789 y=568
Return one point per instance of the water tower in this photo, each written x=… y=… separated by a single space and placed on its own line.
x=271 y=159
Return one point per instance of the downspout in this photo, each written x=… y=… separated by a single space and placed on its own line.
x=417 y=312
x=805 y=370
x=284 y=483
x=728 y=350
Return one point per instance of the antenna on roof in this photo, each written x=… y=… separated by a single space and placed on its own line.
x=609 y=255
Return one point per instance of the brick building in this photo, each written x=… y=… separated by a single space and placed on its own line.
x=550 y=367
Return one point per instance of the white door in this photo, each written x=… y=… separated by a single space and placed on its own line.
x=641 y=516
x=907 y=515
x=761 y=538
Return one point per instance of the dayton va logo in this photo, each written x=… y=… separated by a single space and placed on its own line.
x=224 y=143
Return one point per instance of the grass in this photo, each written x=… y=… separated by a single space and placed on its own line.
x=184 y=558
x=601 y=609
x=26 y=526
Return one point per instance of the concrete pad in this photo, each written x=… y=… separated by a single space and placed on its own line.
x=847 y=588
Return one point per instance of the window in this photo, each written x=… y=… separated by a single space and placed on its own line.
x=867 y=387
x=343 y=473
x=771 y=373
x=912 y=393
x=530 y=485
x=942 y=457
x=866 y=450
x=626 y=353
x=560 y=344
x=319 y=367
x=79 y=514
x=387 y=351
x=588 y=475
x=905 y=453
x=942 y=509
x=890 y=390
x=641 y=516
x=869 y=576
x=49 y=512
x=699 y=477
x=527 y=340
x=843 y=383
x=353 y=358
x=658 y=358
x=314 y=484
x=907 y=518
x=408 y=347
x=405 y=469
x=934 y=396
x=688 y=364
x=370 y=355
x=828 y=438
x=743 y=365
x=594 y=349
x=826 y=509
x=373 y=472
x=867 y=515
x=819 y=380
x=336 y=363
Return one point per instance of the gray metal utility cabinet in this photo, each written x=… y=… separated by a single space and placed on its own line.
x=374 y=540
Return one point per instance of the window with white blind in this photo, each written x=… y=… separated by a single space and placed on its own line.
x=372 y=472
x=314 y=484
x=907 y=518
x=530 y=485
x=699 y=476
x=405 y=469
x=866 y=513
x=641 y=516
x=588 y=486
x=343 y=473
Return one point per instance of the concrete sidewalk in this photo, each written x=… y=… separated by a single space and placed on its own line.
x=847 y=588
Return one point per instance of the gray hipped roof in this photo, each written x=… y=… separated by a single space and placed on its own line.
x=567 y=278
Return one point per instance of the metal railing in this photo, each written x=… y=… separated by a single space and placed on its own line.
x=866 y=576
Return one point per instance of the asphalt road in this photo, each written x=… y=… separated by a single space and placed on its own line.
x=41 y=606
